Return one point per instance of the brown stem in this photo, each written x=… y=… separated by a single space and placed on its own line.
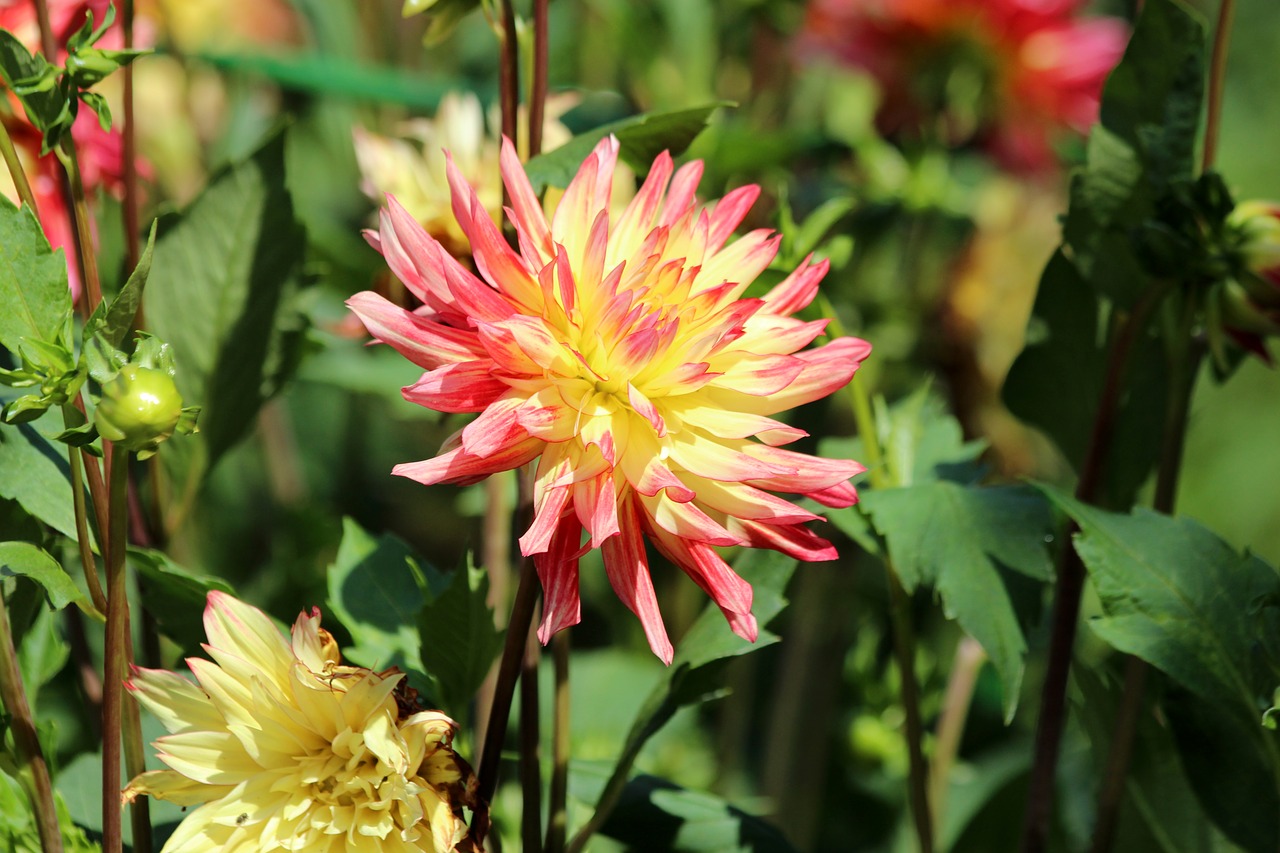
x=530 y=745
x=87 y=563
x=495 y=731
x=557 y=813
x=1217 y=79
x=34 y=772
x=81 y=226
x=129 y=134
x=1070 y=583
x=538 y=93
x=509 y=72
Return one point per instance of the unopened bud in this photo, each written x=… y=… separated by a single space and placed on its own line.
x=140 y=408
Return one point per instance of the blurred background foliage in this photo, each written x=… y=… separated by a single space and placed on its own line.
x=935 y=255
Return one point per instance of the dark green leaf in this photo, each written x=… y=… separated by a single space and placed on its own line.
x=377 y=588
x=459 y=641
x=34 y=471
x=35 y=302
x=23 y=558
x=1182 y=599
x=654 y=814
x=174 y=595
x=41 y=656
x=219 y=291
x=641 y=138
x=1230 y=768
x=952 y=537
x=35 y=82
x=114 y=323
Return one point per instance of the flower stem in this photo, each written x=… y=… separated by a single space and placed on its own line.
x=1184 y=363
x=522 y=608
x=129 y=132
x=509 y=72
x=82 y=520
x=16 y=172
x=538 y=92
x=117 y=628
x=955 y=710
x=33 y=770
x=558 y=819
x=1217 y=78
x=530 y=746
x=1070 y=581
x=903 y=633
x=81 y=227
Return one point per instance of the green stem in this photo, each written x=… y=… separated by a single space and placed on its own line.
x=33 y=771
x=16 y=172
x=558 y=818
x=82 y=520
x=903 y=632
x=117 y=625
x=526 y=600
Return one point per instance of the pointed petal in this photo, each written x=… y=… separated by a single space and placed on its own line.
x=425 y=342
x=558 y=571
x=627 y=566
x=456 y=466
x=467 y=386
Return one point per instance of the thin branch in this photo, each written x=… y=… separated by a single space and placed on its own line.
x=558 y=816
x=129 y=133
x=961 y=682
x=530 y=746
x=538 y=92
x=16 y=172
x=1217 y=80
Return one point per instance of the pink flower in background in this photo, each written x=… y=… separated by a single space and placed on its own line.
x=619 y=352
x=1011 y=74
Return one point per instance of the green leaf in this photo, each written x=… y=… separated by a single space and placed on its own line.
x=955 y=538
x=1230 y=769
x=114 y=322
x=35 y=301
x=1179 y=597
x=640 y=138
x=459 y=641
x=654 y=814
x=23 y=558
x=35 y=82
x=41 y=656
x=35 y=472
x=377 y=588
x=1153 y=97
x=174 y=595
x=222 y=277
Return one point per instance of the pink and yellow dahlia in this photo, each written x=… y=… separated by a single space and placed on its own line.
x=1009 y=74
x=619 y=352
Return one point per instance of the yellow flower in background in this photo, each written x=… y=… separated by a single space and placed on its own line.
x=283 y=747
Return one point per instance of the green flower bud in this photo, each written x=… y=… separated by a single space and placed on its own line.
x=140 y=408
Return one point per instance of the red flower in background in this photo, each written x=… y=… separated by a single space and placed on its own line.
x=1009 y=74
x=100 y=152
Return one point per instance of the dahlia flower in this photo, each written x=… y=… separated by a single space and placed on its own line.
x=619 y=353
x=1248 y=305
x=283 y=747
x=1009 y=73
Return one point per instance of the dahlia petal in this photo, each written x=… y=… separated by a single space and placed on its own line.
x=742 y=261
x=840 y=495
x=734 y=462
x=467 y=386
x=687 y=521
x=726 y=423
x=524 y=344
x=178 y=704
x=558 y=571
x=791 y=539
x=729 y=213
x=456 y=466
x=680 y=194
x=635 y=226
x=798 y=289
x=808 y=474
x=526 y=212
x=246 y=632
x=495 y=427
x=647 y=410
x=214 y=758
x=738 y=500
x=587 y=194
x=171 y=786
x=424 y=342
x=546 y=520
x=627 y=566
x=231 y=698
x=766 y=333
x=708 y=570
x=596 y=502
x=545 y=415
x=759 y=375
x=498 y=263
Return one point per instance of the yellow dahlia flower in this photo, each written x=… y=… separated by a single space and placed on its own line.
x=283 y=747
x=617 y=350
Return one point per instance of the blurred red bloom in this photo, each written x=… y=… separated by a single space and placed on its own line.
x=1009 y=74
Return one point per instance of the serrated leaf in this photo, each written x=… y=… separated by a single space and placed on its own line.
x=114 y=322
x=640 y=138
x=459 y=641
x=175 y=596
x=222 y=275
x=35 y=472
x=952 y=537
x=377 y=588
x=1176 y=595
x=35 y=301
x=23 y=558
